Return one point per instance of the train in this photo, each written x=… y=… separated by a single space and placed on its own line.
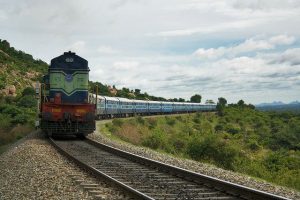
x=67 y=107
x=111 y=107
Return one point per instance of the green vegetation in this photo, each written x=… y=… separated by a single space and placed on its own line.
x=18 y=68
x=18 y=72
x=265 y=145
x=196 y=98
x=17 y=115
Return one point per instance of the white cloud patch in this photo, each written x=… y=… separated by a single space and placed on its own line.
x=125 y=65
x=106 y=50
x=250 y=45
x=290 y=56
x=78 y=46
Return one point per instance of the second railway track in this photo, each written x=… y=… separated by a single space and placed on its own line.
x=148 y=179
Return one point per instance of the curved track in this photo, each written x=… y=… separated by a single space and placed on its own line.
x=144 y=178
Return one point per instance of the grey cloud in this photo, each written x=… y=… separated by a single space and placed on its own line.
x=265 y=4
x=291 y=56
x=282 y=75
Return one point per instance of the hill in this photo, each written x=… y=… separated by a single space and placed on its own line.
x=279 y=106
x=18 y=69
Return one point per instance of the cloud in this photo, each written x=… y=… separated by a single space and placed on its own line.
x=206 y=29
x=106 y=50
x=249 y=45
x=265 y=4
x=290 y=56
x=78 y=47
x=237 y=59
x=125 y=65
x=282 y=40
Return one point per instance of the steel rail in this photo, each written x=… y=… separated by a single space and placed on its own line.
x=127 y=189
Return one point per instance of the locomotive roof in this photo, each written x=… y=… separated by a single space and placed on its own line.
x=69 y=60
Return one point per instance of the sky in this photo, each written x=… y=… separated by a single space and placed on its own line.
x=237 y=49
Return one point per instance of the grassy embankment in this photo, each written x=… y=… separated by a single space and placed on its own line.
x=260 y=144
x=18 y=70
x=17 y=115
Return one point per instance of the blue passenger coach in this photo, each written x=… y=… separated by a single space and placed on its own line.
x=110 y=107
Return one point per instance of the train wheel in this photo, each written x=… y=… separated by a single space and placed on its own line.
x=80 y=136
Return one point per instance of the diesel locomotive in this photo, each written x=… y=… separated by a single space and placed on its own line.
x=65 y=108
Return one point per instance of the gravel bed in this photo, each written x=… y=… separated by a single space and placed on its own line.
x=33 y=169
x=198 y=167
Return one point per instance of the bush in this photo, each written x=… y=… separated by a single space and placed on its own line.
x=5 y=121
x=253 y=145
x=219 y=127
x=170 y=121
x=11 y=110
x=179 y=118
x=117 y=122
x=196 y=120
x=111 y=128
x=21 y=119
x=212 y=148
x=152 y=122
x=140 y=120
x=28 y=91
x=156 y=140
x=230 y=128
x=27 y=102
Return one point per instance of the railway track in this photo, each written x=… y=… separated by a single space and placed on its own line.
x=144 y=178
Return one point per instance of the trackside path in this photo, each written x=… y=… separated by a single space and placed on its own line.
x=34 y=169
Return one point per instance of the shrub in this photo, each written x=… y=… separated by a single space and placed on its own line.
x=253 y=145
x=156 y=140
x=9 y=99
x=27 y=102
x=170 y=121
x=212 y=148
x=111 y=128
x=140 y=120
x=129 y=133
x=5 y=121
x=219 y=127
x=152 y=122
x=10 y=110
x=21 y=119
x=28 y=91
x=117 y=122
x=230 y=128
x=196 y=120
x=179 y=118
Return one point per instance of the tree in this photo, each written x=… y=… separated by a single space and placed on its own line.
x=221 y=105
x=181 y=100
x=222 y=101
x=241 y=103
x=28 y=91
x=137 y=91
x=196 y=98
